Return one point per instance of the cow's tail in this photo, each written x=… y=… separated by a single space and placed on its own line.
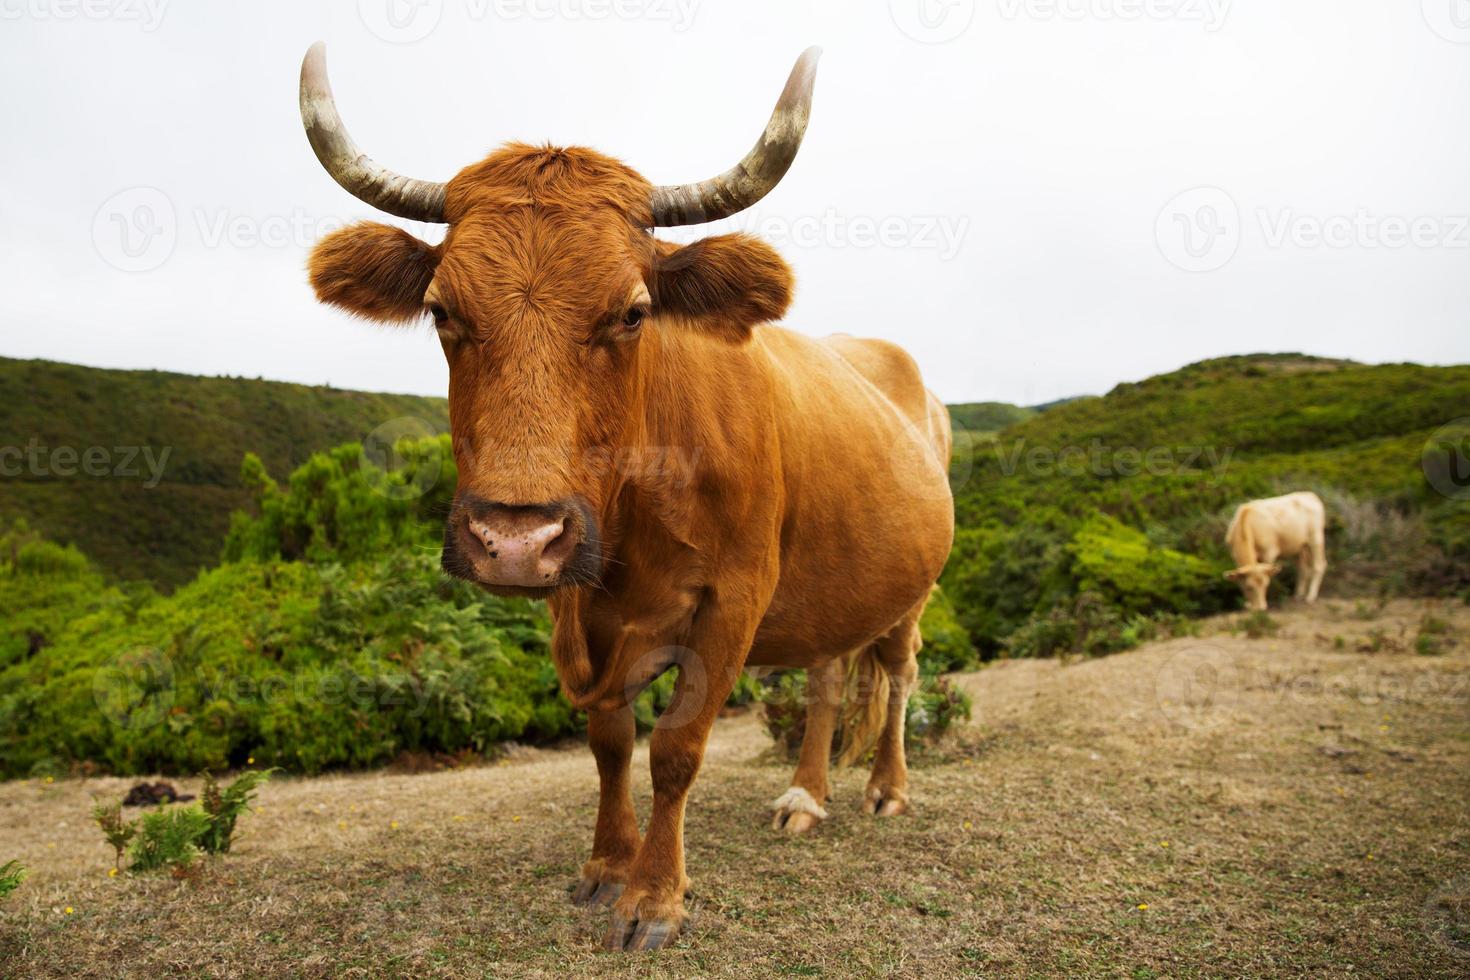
x=865 y=710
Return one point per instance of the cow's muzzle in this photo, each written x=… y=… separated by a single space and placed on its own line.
x=523 y=550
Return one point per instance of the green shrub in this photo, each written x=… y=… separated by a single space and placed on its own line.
x=11 y=875
x=933 y=708
x=1434 y=636
x=170 y=835
x=1258 y=625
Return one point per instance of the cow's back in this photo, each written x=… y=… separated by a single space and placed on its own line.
x=1279 y=526
x=869 y=518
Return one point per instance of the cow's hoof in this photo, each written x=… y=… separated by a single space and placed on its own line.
x=796 y=812
x=599 y=884
x=590 y=892
x=882 y=801
x=637 y=925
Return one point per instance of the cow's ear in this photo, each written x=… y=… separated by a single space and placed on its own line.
x=727 y=282
x=374 y=270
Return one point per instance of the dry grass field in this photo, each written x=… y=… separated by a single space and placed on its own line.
x=1287 y=804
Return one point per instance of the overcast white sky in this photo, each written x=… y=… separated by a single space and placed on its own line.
x=1038 y=198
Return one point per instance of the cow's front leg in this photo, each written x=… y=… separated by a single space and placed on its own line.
x=610 y=735
x=650 y=913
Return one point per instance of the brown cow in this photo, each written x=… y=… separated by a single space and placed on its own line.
x=1292 y=526
x=807 y=533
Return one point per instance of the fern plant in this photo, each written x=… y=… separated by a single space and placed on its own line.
x=169 y=836
x=119 y=832
x=11 y=875
x=224 y=806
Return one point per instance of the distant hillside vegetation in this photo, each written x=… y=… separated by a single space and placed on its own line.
x=108 y=504
x=988 y=416
x=1077 y=525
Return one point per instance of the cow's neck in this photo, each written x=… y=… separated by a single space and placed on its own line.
x=671 y=452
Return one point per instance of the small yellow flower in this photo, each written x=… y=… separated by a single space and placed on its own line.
x=341 y=824
x=968 y=825
x=1143 y=906
x=250 y=761
x=515 y=819
x=460 y=818
x=1163 y=843
x=49 y=781
x=392 y=824
x=112 y=872
x=69 y=910
x=1369 y=857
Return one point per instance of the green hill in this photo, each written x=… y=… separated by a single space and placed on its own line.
x=141 y=469
x=978 y=417
x=1079 y=523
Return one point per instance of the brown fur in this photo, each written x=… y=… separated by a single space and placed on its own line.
x=815 y=518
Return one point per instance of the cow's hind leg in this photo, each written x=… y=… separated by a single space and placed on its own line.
x=610 y=734
x=897 y=654
x=1319 y=566
x=1305 y=562
x=801 y=807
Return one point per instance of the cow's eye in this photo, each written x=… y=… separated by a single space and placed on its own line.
x=440 y=315
x=633 y=319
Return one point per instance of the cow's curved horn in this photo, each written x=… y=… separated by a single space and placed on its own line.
x=763 y=167
x=419 y=200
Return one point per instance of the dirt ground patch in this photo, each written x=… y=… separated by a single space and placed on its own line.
x=1251 y=802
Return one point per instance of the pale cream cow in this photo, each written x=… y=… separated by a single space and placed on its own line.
x=1291 y=526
